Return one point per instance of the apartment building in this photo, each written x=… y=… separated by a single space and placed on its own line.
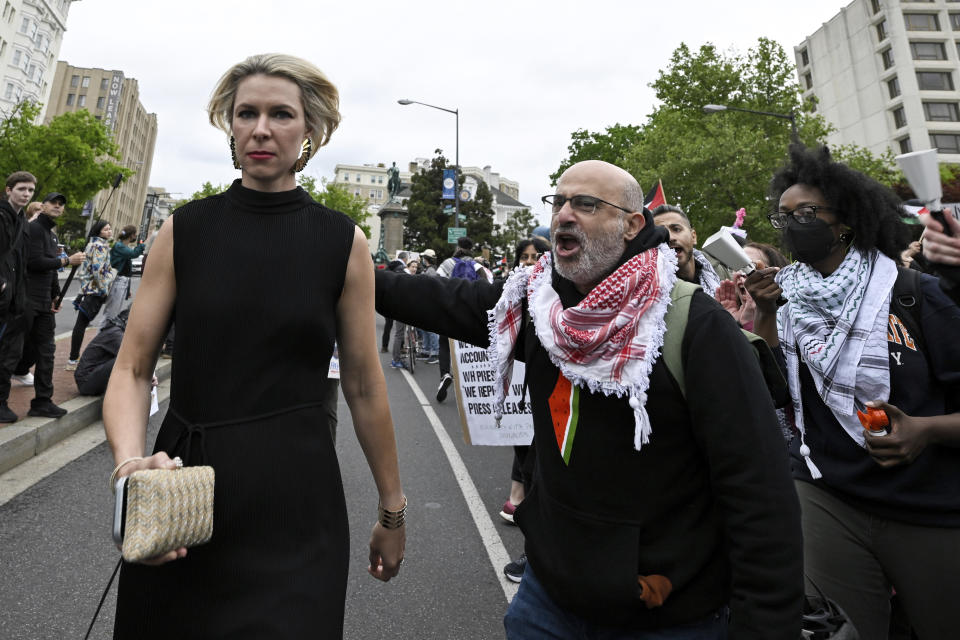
x=31 y=32
x=115 y=100
x=885 y=74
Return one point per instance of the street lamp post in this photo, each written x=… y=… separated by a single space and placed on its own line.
x=148 y=208
x=456 y=166
x=792 y=117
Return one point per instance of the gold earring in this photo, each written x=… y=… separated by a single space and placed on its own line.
x=233 y=153
x=305 y=149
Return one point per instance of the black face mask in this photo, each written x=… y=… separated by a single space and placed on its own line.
x=810 y=242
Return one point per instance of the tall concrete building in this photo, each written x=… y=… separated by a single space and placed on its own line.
x=115 y=100
x=30 y=35
x=885 y=74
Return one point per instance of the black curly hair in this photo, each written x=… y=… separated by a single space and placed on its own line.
x=870 y=209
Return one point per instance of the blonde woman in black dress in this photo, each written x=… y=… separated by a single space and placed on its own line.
x=260 y=280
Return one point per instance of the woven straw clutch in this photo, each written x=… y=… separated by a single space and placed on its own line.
x=166 y=510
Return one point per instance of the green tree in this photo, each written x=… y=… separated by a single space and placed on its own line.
x=712 y=165
x=206 y=190
x=611 y=145
x=337 y=197
x=74 y=154
x=427 y=221
x=517 y=227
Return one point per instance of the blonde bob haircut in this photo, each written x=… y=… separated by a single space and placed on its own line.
x=321 y=100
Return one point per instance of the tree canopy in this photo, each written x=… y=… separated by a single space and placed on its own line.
x=73 y=154
x=339 y=198
x=517 y=227
x=427 y=221
x=711 y=165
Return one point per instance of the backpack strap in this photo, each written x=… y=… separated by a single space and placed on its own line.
x=676 y=321
x=906 y=302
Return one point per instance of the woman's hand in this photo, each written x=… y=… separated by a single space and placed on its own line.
x=726 y=295
x=907 y=438
x=938 y=247
x=764 y=289
x=158 y=460
x=386 y=551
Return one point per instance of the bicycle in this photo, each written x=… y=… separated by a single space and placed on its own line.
x=410 y=339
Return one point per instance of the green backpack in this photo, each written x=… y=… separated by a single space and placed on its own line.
x=676 y=319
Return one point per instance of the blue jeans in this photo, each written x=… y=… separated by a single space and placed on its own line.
x=430 y=342
x=533 y=614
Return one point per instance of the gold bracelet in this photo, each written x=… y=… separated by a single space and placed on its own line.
x=116 y=470
x=392 y=519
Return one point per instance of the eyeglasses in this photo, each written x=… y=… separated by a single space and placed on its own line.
x=586 y=205
x=803 y=215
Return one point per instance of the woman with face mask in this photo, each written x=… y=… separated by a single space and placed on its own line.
x=881 y=511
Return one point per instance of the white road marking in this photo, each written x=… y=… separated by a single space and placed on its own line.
x=485 y=527
x=25 y=475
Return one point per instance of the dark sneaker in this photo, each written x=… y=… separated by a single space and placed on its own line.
x=445 y=383
x=384 y=350
x=514 y=570
x=6 y=415
x=46 y=409
x=433 y=360
x=423 y=356
x=396 y=364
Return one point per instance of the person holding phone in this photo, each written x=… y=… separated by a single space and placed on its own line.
x=253 y=404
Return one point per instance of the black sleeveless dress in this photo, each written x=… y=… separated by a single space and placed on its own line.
x=258 y=278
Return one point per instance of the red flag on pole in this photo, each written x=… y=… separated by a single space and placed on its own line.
x=654 y=197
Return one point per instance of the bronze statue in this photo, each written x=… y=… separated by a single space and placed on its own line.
x=393 y=182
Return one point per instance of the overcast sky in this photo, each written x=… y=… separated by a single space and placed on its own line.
x=524 y=74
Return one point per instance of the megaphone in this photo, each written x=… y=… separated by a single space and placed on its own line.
x=728 y=251
x=922 y=171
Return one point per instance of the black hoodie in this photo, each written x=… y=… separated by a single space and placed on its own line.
x=708 y=502
x=14 y=246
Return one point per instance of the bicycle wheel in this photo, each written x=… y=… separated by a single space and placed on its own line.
x=411 y=340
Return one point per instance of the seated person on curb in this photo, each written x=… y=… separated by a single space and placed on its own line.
x=96 y=362
x=699 y=518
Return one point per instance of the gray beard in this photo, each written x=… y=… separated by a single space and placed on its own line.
x=597 y=258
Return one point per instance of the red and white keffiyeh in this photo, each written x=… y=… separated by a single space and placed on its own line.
x=606 y=343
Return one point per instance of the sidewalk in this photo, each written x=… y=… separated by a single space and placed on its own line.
x=28 y=436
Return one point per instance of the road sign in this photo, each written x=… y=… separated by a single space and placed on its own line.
x=455 y=232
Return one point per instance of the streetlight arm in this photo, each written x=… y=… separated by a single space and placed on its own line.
x=404 y=101
x=761 y=113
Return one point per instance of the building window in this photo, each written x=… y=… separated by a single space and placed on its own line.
x=9 y=92
x=921 y=21
x=887 y=57
x=804 y=57
x=373 y=179
x=70 y=98
x=893 y=86
x=25 y=25
x=882 y=30
x=380 y=178
x=100 y=102
x=928 y=51
x=358 y=177
x=941 y=111
x=899 y=118
x=935 y=80
x=16 y=58
x=74 y=81
x=808 y=80
x=82 y=101
x=905 y=146
x=104 y=84
x=945 y=142
x=356 y=193
x=86 y=82
x=955 y=21
x=379 y=194
x=875 y=5
x=346 y=177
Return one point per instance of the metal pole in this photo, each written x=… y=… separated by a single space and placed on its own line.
x=794 y=136
x=456 y=174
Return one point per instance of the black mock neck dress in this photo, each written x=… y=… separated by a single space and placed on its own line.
x=258 y=278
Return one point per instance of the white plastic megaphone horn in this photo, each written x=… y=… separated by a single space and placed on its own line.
x=728 y=251
x=923 y=174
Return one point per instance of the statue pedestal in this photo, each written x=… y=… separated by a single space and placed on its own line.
x=392 y=216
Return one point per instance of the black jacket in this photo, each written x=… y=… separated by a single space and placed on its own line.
x=708 y=502
x=43 y=262
x=14 y=241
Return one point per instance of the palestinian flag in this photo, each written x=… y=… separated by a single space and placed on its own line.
x=654 y=197
x=564 y=405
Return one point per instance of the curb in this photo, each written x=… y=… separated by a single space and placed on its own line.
x=31 y=436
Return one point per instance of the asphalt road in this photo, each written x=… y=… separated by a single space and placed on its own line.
x=56 y=554
x=67 y=315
